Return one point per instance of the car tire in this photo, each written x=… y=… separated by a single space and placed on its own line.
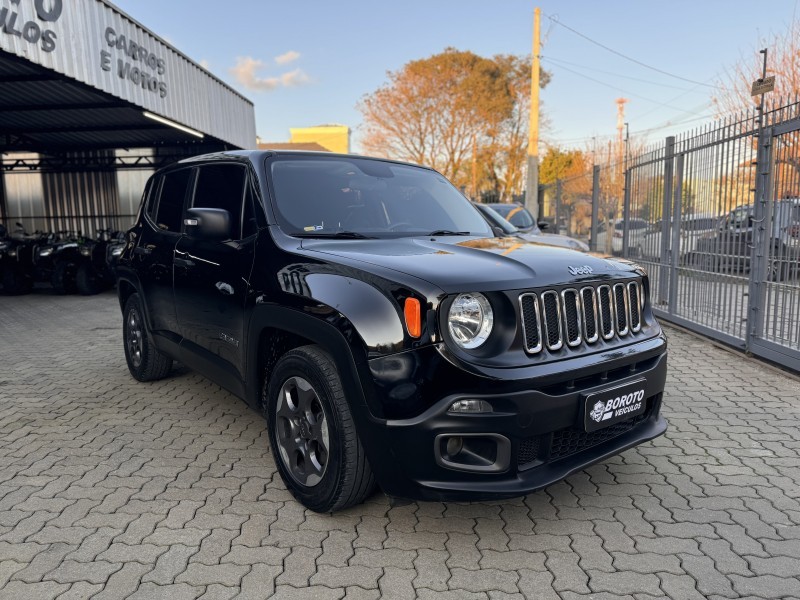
x=777 y=269
x=63 y=277
x=87 y=280
x=16 y=282
x=145 y=361
x=312 y=433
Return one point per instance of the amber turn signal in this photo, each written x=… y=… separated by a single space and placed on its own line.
x=413 y=317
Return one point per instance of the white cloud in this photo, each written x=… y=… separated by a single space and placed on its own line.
x=287 y=57
x=205 y=64
x=246 y=73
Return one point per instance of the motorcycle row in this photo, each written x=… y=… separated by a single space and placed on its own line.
x=68 y=261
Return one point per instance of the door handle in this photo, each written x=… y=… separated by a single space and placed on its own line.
x=142 y=250
x=224 y=288
x=183 y=262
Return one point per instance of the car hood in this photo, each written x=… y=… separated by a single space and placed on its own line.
x=458 y=264
x=551 y=239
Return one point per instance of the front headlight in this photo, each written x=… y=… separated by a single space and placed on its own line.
x=117 y=250
x=470 y=320
x=45 y=252
x=86 y=251
x=12 y=252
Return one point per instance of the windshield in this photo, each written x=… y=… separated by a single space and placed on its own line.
x=358 y=197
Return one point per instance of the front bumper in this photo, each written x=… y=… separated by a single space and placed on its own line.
x=536 y=423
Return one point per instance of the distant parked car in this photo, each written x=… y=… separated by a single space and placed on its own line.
x=728 y=247
x=521 y=220
x=636 y=231
x=692 y=228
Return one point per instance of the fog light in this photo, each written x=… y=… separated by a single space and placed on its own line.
x=470 y=406
x=454 y=445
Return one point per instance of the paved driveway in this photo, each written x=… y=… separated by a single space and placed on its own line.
x=115 y=489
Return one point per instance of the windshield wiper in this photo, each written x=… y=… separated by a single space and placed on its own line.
x=448 y=232
x=335 y=235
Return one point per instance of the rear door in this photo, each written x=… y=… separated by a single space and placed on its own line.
x=212 y=277
x=152 y=257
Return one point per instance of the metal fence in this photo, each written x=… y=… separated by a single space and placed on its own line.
x=714 y=216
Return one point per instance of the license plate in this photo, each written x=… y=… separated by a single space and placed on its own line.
x=613 y=405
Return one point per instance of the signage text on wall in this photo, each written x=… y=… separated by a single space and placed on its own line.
x=33 y=32
x=134 y=63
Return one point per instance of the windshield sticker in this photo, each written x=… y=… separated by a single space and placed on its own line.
x=314 y=228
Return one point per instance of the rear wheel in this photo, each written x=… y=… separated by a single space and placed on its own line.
x=777 y=269
x=312 y=433
x=63 y=277
x=87 y=280
x=145 y=361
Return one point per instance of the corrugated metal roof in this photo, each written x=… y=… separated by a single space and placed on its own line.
x=90 y=42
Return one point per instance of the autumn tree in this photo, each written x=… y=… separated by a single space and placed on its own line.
x=458 y=112
x=571 y=171
x=732 y=94
x=504 y=157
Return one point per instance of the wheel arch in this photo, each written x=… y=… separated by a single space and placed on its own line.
x=275 y=330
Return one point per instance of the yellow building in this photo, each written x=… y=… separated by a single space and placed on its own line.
x=335 y=138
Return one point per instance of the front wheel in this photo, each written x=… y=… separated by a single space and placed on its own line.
x=145 y=361
x=312 y=433
x=16 y=281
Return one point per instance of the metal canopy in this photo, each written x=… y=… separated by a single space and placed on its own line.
x=44 y=111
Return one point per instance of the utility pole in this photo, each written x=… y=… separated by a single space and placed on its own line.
x=532 y=187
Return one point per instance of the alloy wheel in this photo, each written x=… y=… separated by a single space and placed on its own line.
x=134 y=337
x=302 y=432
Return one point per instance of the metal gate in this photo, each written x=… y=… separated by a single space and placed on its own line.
x=714 y=215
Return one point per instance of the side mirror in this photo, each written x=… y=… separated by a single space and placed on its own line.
x=208 y=223
x=543 y=225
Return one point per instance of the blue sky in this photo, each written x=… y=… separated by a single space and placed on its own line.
x=330 y=54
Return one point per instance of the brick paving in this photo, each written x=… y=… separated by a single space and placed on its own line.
x=111 y=488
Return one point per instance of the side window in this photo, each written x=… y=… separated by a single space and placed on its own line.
x=222 y=186
x=170 y=202
x=150 y=196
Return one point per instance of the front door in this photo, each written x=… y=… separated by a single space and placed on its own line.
x=212 y=277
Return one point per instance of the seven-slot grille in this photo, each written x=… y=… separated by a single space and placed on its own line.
x=581 y=315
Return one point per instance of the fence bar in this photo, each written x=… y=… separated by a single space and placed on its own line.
x=626 y=214
x=676 y=236
x=558 y=207
x=595 y=207
x=666 y=221
x=760 y=251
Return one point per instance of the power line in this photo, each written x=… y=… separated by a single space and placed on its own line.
x=606 y=136
x=633 y=60
x=559 y=60
x=613 y=87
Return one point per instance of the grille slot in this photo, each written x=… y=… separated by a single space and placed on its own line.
x=570 y=317
x=634 y=302
x=569 y=441
x=528 y=451
x=604 y=303
x=532 y=323
x=621 y=309
x=589 y=308
x=552 y=320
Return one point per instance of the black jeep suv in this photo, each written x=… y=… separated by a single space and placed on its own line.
x=386 y=333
